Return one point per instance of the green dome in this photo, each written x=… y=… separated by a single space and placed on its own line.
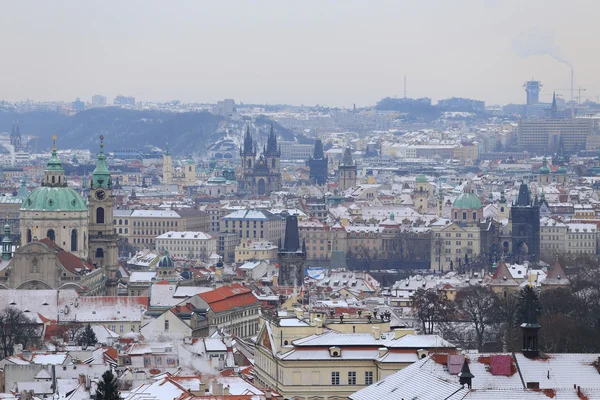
x=47 y=198
x=544 y=170
x=562 y=170
x=421 y=178
x=166 y=261
x=467 y=201
x=217 y=180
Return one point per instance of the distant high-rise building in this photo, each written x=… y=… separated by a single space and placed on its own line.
x=121 y=100
x=347 y=171
x=533 y=92
x=543 y=136
x=525 y=221
x=98 y=101
x=318 y=165
x=291 y=256
x=225 y=108
x=78 y=105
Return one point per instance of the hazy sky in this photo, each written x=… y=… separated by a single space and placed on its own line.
x=300 y=52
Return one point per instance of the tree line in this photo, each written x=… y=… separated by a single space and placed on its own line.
x=480 y=318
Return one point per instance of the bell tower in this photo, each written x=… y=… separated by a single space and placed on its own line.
x=103 y=248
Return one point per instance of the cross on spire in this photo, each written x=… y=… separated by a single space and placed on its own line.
x=54 y=137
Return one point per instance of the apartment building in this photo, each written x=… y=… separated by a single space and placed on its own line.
x=301 y=361
x=141 y=227
x=581 y=238
x=187 y=245
x=233 y=309
x=254 y=224
x=255 y=250
x=543 y=136
x=552 y=237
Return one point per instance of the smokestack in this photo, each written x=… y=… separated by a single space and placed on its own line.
x=572 y=82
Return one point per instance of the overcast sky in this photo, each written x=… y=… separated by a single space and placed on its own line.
x=334 y=53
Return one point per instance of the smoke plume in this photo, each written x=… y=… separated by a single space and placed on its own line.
x=538 y=43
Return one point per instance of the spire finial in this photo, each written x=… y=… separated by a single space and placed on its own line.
x=54 y=137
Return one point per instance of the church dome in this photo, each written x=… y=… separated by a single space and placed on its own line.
x=562 y=170
x=421 y=178
x=47 y=198
x=544 y=170
x=166 y=261
x=467 y=200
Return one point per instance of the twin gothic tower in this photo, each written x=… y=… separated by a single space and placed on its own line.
x=260 y=176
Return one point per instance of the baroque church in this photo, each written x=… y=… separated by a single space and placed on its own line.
x=67 y=243
x=260 y=176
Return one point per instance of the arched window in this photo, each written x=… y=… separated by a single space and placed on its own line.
x=59 y=179
x=74 y=240
x=272 y=163
x=120 y=222
x=100 y=215
x=50 y=234
x=120 y=230
x=29 y=236
x=53 y=178
x=126 y=230
x=249 y=163
x=126 y=222
x=99 y=253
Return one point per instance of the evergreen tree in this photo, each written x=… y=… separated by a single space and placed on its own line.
x=87 y=337
x=522 y=304
x=107 y=387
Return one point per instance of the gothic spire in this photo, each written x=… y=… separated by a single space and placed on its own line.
x=318 y=154
x=248 y=143
x=271 y=142
x=554 y=108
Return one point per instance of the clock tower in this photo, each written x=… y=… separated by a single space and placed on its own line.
x=103 y=248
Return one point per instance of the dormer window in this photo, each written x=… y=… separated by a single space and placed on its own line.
x=335 y=351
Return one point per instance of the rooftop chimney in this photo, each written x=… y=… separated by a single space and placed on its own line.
x=376 y=333
x=465 y=376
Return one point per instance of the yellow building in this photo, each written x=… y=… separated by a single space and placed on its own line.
x=250 y=249
x=189 y=173
x=300 y=360
x=421 y=195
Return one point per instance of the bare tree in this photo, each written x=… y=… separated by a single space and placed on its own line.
x=16 y=328
x=478 y=306
x=430 y=307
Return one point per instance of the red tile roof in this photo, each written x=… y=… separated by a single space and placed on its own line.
x=69 y=261
x=228 y=297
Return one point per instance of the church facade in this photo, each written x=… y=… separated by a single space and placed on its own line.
x=260 y=176
x=66 y=243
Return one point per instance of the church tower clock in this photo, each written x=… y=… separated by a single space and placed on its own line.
x=103 y=248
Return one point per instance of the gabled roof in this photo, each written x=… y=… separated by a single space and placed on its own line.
x=70 y=262
x=556 y=276
x=228 y=297
x=502 y=276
